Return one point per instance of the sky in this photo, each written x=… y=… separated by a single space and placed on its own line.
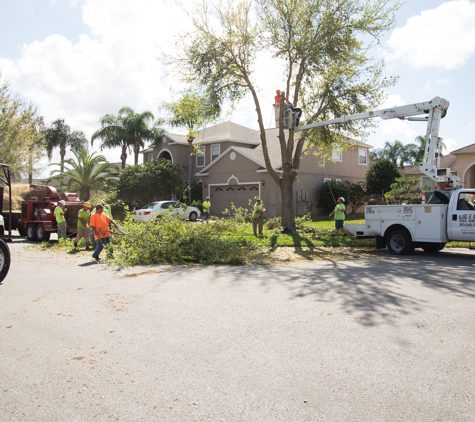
x=81 y=59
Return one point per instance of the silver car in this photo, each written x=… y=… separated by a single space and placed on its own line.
x=153 y=209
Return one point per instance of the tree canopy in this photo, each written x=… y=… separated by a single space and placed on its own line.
x=158 y=179
x=321 y=47
x=59 y=135
x=21 y=133
x=380 y=176
x=86 y=173
x=191 y=112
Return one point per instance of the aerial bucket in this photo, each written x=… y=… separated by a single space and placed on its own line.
x=438 y=198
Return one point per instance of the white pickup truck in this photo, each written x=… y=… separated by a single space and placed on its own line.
x=402 y=228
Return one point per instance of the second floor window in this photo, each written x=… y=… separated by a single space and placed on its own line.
x=214 y=152
x=200 y=157
x=336 y=154
x=362 y=156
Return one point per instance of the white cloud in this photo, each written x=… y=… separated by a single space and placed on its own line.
x=443 y=37
x=450 y=145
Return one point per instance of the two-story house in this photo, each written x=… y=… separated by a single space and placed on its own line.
x=230 y=165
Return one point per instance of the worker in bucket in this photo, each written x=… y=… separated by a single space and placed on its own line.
x=99 y=224
x=83 y=225
x=338 y=215
x=59 y=213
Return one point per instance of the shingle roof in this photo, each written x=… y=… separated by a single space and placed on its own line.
x=226 y=131
x=465 y=150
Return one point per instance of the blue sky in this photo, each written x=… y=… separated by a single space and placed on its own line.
x=82 y=59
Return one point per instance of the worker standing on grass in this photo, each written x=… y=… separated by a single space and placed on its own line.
x=206 y=208
x=83 y=225
x=339 y=216
x=59 y=212
x=257 y=220
x=99 y=224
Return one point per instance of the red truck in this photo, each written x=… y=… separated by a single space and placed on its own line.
x=37 y=220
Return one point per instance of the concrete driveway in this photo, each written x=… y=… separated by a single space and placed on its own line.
x=375 y=338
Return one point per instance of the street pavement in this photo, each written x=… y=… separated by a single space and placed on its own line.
x=374 y=337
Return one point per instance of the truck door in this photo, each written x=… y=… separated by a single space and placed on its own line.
x=461 y=218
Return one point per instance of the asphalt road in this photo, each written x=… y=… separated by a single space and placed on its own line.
x=375 y=338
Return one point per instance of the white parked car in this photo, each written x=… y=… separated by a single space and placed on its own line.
x=153 y=209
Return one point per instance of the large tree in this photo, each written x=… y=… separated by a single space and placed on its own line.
x=86 y=173
x=191 y=112
x=321 y=47
x=59 y=135
x=381 y=174
x=159 y=179
x=21 y=133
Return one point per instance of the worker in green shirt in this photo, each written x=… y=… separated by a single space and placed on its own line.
x=59 y=212
x=339 y=217
x=83 y=225
x=257 y=220
x=206 y=208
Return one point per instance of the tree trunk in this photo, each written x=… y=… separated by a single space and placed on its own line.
x=288 y=213
x=123 y=157
x=190 y=168
x=136 y=153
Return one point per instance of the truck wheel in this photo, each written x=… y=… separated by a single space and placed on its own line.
x=400 y=243
x=31 y=232
x=4 y=260
x=193 y=216
x=432 y=247
x=41 y=234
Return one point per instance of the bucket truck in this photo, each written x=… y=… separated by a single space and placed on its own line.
x=448 y=215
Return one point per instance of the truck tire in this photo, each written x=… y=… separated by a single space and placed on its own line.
x=4 y=260
x=21 y=231
x=41 y=234
x=399 y=242
x=31 y=232
x=432 y=247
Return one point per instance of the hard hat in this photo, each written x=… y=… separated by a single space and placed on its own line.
x=87 y=204
x=102 y=202
x=62 y=202
x=341 y=199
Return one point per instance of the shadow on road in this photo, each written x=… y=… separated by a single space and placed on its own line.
x=375 y=289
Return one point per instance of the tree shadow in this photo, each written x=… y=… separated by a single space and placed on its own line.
x=377 y=289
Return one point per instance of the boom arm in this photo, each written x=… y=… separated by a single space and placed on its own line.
x=430 y=111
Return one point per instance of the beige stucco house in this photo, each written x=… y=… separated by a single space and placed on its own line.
x=461 y=163
x=231 y=168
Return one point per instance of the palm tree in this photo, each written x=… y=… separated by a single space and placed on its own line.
x=393 y=151
x=422 y=140
x=113 y=135
x=136 y=126
x=59 y=135
x=86 y=173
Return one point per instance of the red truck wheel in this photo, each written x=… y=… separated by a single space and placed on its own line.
x=4 y=260
x=31 y=232
x=41 y=234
